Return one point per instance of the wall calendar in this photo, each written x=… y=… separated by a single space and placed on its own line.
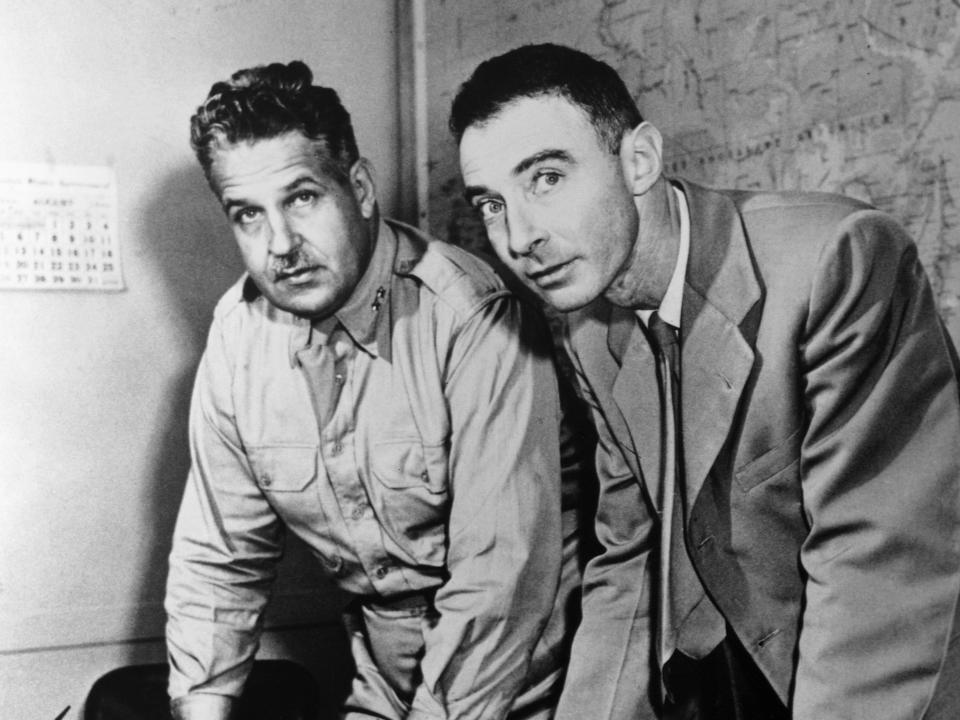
x=58 y=227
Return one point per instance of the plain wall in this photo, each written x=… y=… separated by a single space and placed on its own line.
x=94 y=387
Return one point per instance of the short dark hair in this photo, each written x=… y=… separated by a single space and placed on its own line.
x=266 y=101
x=547 y=69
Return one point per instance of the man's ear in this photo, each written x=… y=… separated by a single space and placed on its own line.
x=641 y=157
x=363 y=186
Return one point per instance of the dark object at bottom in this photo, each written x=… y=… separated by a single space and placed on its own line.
x=275 y=690
x=725 y=685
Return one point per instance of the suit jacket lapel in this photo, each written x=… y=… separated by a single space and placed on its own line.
x=721 y=288
x=636 y=393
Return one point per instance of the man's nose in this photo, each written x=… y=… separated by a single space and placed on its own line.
x=284 y=238
x=526 y=234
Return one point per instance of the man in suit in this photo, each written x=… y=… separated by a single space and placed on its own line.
x=777 y=407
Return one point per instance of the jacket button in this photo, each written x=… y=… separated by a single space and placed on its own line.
x=381 y=572
x=266 y=480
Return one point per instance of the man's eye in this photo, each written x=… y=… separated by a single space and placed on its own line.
x=545 y=180
x=303 y=198
x=246 y=216
x=490 y=209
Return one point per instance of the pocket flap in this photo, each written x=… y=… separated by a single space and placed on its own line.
x=769 y=463
x=399 y=465
x=283 y=468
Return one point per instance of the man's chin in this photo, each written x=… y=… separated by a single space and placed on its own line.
x=565 y=299
x=566 y=296
x=308 y=304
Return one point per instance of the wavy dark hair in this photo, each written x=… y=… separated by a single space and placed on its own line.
x=266 y=101
x=547 y=69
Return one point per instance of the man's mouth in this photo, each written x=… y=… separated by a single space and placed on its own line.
x=294 y=273
x=550 y=275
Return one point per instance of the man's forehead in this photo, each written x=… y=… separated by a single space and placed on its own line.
x=535 y=114
x=523 y=128
x=262 y=160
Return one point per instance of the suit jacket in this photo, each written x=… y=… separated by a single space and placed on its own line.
x=821 y=443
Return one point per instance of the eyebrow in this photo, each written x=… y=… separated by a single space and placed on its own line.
x=472 y=191
x=288 y=188
x=538 y=157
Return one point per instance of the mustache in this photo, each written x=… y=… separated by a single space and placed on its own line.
x=291 y=262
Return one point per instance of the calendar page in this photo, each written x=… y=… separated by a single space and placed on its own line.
x=58 y=227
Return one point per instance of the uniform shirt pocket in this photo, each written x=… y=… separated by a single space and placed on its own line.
x=409 y=490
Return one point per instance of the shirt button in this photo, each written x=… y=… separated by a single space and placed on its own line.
x=338 y=378
x=358 y=512
x=424 y=476
x=266 y=480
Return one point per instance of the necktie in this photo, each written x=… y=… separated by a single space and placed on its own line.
x=668 y=372
x=324 y=371
x=689 y=621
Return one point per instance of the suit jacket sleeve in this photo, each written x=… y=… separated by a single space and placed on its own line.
x=611 y=657
x=880 y=463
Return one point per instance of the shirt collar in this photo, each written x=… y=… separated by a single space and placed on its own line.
x=670 y=305
x=363 y=311
x=366 y=310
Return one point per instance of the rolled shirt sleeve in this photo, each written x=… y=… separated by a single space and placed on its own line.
x=505 y=543
x=226 y=546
